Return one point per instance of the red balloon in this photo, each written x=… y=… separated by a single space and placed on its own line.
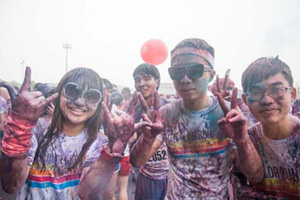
x=154 y=52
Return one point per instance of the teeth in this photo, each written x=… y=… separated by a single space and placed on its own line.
x=78 y=110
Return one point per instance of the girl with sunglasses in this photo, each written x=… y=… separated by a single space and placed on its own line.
x=70 y=158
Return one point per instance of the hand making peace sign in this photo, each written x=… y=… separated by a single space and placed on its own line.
x=234 y=122
x=152 y=116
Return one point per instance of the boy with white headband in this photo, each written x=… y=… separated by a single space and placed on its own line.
x=200 y=154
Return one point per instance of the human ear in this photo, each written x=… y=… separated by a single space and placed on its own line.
x=157 y=84
x=294 y=93
x=212 y=74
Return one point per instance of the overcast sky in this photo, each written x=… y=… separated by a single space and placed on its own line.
x=107 y=35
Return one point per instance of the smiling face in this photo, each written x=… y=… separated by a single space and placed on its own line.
x=271 y=110
x=76 y=112
x=145 y=84
x=191 y=89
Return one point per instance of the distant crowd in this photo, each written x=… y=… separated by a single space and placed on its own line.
x=82 y=138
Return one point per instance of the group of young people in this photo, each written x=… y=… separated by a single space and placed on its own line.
x=186 y=149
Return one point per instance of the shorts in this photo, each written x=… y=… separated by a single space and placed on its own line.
x=150 y=189
x=125 y=167
x=117 y=168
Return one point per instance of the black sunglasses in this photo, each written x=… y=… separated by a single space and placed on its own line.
x=74 y=91
x=193 y=72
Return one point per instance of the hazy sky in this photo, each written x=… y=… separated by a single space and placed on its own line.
x=107 y=35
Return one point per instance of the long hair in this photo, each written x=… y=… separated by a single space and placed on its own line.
x=86 y=78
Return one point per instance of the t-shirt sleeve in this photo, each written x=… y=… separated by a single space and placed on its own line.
x=94 y=151
x=159 y=137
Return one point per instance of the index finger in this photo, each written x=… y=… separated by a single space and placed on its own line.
x=144 y=104
x=107 y=114
x=227 y=73
x=51 y=99
x=218 y=84
x=234 y=98
x=156 y=101
x=222 y=104
x=27 y=80
x=132 y=105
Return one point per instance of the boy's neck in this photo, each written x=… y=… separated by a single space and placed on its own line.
x=71 y=129
x=197 y=104
x=282 y=129
x=150 y=100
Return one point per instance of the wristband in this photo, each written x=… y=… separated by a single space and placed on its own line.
x=111 y=158
x=17 y=138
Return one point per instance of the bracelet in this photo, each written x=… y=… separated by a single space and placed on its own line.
x=111 y=158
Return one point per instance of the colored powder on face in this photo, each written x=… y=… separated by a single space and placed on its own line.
x=203 y=85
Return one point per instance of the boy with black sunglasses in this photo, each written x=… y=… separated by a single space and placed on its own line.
x=200 y=154
x=268 y=91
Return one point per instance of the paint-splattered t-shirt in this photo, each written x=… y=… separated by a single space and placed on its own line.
x=56 y=181
x=199 y=153
x=157 y=167
x=281 y=160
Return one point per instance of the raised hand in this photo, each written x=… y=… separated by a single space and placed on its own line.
x=234 y=123
x=50 y=109
x=120 y=127
x=29 y=104
x=152 y=117
x=223 y=90
x=27 y=107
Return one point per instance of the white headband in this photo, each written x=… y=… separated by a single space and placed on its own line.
x=200 y=52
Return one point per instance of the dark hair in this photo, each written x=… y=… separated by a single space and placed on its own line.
x=146 y=69
x=117 y=97
x=195 y=43
x=86 y=78
x=126 y=89
x=262 y=69
x=45 y=89
x=107 y=83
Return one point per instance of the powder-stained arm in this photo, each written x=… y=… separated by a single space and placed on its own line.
x=27 y=107
x=119 y=128
x=234 y=124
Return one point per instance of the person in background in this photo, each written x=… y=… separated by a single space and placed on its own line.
x=4 y=93
x=152 y=179
x=127 y=98
x=3 y=109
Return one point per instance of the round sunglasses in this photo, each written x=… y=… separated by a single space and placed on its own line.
x=74 y=91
